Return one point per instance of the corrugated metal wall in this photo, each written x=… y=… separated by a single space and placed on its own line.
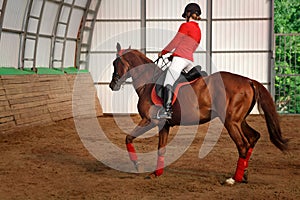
x=14 y=31
x=241 y=37
x=238 y=41
x=236 y=37
x=117 y=21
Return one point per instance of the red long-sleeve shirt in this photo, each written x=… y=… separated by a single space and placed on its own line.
x=185 y=41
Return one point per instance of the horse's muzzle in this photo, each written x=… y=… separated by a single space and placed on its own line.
x=117 y=81
x=114 y=86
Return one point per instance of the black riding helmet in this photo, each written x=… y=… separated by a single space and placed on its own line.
x=193 y=8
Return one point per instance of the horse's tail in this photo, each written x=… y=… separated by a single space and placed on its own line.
x=266 y=105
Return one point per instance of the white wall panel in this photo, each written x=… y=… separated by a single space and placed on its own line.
x=107 y=34
x=74 y=23
x=68 y=1
x=82 y=3
x=32 y=25
x=43 y=52
x=123 y=101
x=240 y=35
x=29 y=52
x=252 y=65
x=69 y=54
x=242 y=25
x=241 y=8
x=48 y=18
x=159 y=34
x=36 y=7
x=101 y=67
x=14 y=14
x=200 y=59
x=65 y=11
x=9 y=50
x=116 y=9
x=58 y=52
x=169 y=9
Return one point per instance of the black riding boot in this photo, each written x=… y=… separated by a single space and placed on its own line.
x=166 y=111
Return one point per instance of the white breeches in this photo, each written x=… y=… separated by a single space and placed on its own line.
x=178 y=64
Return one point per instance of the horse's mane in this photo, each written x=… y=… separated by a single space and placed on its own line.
x=143 y=59
x=139 y=54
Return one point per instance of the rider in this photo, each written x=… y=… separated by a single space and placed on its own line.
x=184 y=45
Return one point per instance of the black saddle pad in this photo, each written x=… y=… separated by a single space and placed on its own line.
x=195 y=72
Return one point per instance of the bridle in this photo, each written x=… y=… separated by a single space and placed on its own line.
x=162 y=63
x=119 y=54
x=115 y=73
x=116 y=76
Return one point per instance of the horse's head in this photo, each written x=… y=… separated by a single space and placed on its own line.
x=121 y=69
x=132 y=63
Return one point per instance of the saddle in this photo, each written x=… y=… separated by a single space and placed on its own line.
x=185 y=78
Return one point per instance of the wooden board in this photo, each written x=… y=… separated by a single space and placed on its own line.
x=41 y=99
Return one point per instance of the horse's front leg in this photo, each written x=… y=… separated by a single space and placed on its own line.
x=163 y=140
x=143 y=126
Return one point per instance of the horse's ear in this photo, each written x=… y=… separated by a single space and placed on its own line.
x=129 y=47
x=118 y=47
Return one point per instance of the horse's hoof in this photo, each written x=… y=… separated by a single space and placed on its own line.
x=139 y=168
x=229 y=182
x=151 y=176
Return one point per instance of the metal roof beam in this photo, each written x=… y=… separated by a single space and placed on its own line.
x=60 y=40
x=3 y=8
x=31 y=36
x=81 y=47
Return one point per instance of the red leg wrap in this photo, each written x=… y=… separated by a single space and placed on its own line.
x=241 y=166
x=131 y=152
x=160 y=165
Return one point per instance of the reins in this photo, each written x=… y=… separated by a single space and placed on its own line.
x=163 y=65
x=165 y=62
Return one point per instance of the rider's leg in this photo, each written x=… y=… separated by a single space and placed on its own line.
x=166 y=111
x=173 y=73
x=178 y=64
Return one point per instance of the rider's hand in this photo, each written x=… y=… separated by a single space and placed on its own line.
x=160 y=55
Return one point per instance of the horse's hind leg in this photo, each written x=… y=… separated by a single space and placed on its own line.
x=236 y=133
x=251 y=134
x=252 y=137
x=245 y=139
x=143 y=126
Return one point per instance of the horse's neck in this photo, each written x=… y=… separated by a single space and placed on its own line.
x=144 y=74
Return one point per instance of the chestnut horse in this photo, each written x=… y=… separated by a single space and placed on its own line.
x=225 y=95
